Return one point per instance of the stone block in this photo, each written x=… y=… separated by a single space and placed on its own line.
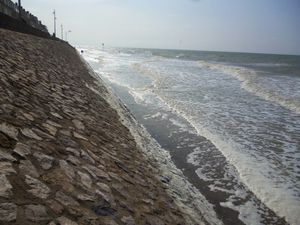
x=8 y=212
x=36 y=213
x=38 y=188
x=5 y=187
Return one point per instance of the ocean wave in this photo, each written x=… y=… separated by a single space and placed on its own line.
x=267 y=64
x=250 y=82
x=253 y=172
x=187 y=197
x=278 y=197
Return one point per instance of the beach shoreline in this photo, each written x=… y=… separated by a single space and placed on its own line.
x=179 y=141
x=170 y=98
x=191 y=202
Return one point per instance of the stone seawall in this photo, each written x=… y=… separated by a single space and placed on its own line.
x=65 y=158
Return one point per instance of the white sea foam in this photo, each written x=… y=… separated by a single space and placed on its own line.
x=248 y=212
x=156 y=115
x=203 y=176
x=284 y=202
x=229 y=184
x=254 y=173
x=91 y=59
x=91 y=55
x=254 y=170
x=181 y=125
x=187 y=197
x=163 y=116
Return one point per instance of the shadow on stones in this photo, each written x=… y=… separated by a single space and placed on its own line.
x=6 y=141
x=103 y=209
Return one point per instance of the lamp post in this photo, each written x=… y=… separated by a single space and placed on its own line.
x=54 y=18
x=66 y=34
x=62 y=32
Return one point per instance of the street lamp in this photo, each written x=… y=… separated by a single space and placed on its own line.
x=66 y=34
x=54 y=18
x=62 y=32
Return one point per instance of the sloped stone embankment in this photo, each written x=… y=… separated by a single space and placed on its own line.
x=65 y=158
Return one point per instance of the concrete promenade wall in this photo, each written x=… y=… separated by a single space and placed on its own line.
x=11 y=9
x=10 y=23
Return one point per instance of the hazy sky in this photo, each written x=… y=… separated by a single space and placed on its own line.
x=271 y=26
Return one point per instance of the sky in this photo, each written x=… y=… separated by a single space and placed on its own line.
x=260 y=26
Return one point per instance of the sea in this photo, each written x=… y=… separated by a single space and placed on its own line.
x=231 y=122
